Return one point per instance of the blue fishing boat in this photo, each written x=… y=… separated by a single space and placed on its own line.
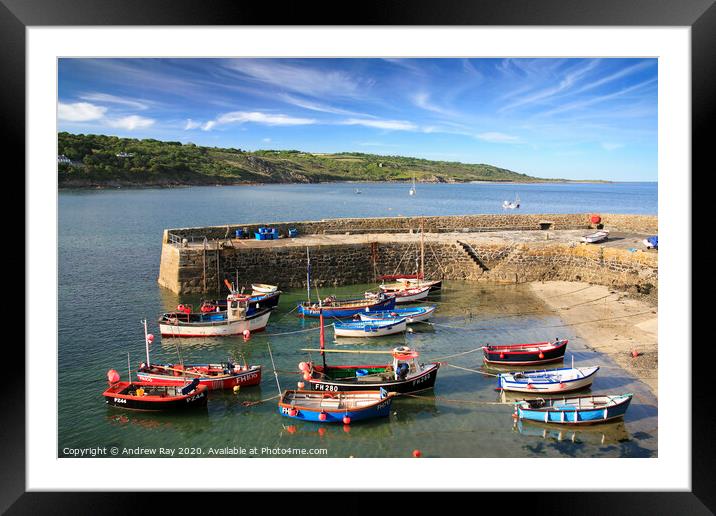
x=370 y=328
x=334 y=307
x=335 y=407
x=412 y=314
x=579 y=410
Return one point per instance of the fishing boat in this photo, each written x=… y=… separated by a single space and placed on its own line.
x=148 y=396
x=401 y=282
x=236 y=320
x=597 y=236
x=369 y=328
x=405 y=295
x=412 y=314
x=548 y=380
x=507 y=205
x=578 y=410
x=525 y=354
x=334 y=307
x=263 y=288
x=262 y=296
x=335 y=407
x=403 y=374
x=214 y=376
x=413 y=191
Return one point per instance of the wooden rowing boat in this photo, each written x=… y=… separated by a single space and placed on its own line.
x=575 y=410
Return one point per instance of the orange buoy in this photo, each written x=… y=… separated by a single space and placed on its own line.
x=541 y=355
x=291 y=429
x=417 y=453
x=301 y=385
x=634 y=353
x=346 y=420
x=322 y=416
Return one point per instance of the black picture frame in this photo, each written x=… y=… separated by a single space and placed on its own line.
x=699 y=15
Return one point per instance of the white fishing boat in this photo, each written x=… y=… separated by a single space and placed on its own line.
x=263 y=288
x=370 y=328
x=405 y=295
x=548 y=380
x=597 y=236
x=239 y=317
x=507 y=205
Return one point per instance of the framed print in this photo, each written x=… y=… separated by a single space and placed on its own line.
x=295 y=255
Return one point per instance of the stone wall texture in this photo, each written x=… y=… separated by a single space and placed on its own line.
x=197 y=270
x=464 y=223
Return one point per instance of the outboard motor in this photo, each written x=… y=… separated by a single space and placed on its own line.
x=193 y=385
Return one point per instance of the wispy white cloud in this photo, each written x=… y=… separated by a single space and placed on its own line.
x=497 y=137
x=618 y=75
x=80 y=112
x=241 y=117
x=191 y=124
x=301 y=78
x=113 y=99
x=316 y=106
x=595 y=100
x=266 y=140
x=391 y=125
x=131 y=122
x=422 y=100
x=571 y=78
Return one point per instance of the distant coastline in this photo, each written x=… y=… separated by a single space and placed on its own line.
x=109 y=162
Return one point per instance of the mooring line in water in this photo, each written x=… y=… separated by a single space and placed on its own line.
x=447 y=400
x=472 y=370
x=292 y=332
x=457 y=354
x=248 y=403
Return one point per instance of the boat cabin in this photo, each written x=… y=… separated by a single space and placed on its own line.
x=405 y=362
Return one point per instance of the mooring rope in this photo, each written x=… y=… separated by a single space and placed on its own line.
x=248 y=403
x=472 y=370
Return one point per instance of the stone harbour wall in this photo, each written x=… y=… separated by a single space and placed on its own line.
x=462 y=223
x=193 y=270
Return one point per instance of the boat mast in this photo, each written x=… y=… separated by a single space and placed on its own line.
x=146 y=340
x=422 y=252
x=308 y=275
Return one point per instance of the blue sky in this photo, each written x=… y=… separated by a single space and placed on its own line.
x=568 y=118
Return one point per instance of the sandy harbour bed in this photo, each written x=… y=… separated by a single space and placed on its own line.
x=609 y=321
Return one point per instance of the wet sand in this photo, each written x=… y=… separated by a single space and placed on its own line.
x=610 y=322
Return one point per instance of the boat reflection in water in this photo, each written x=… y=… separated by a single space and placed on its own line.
x=608 y=433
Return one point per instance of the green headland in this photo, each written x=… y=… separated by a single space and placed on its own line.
x=88 y=160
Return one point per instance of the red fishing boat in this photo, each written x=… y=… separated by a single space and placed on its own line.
x=150 y=397
x=214 y=376
x=526 y=354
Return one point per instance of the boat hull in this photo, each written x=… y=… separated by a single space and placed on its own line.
x=114 y=397
x=221 y=328
x=553 y=382
x=573 y=415
x=381 y=408
x=348 y=311
x=423 y=381
x=412 y=315
x=247 y=378
x=516 y=355
x=411 y=298
x=369 y=329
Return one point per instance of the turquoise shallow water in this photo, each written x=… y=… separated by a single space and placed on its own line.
x=109 y=243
